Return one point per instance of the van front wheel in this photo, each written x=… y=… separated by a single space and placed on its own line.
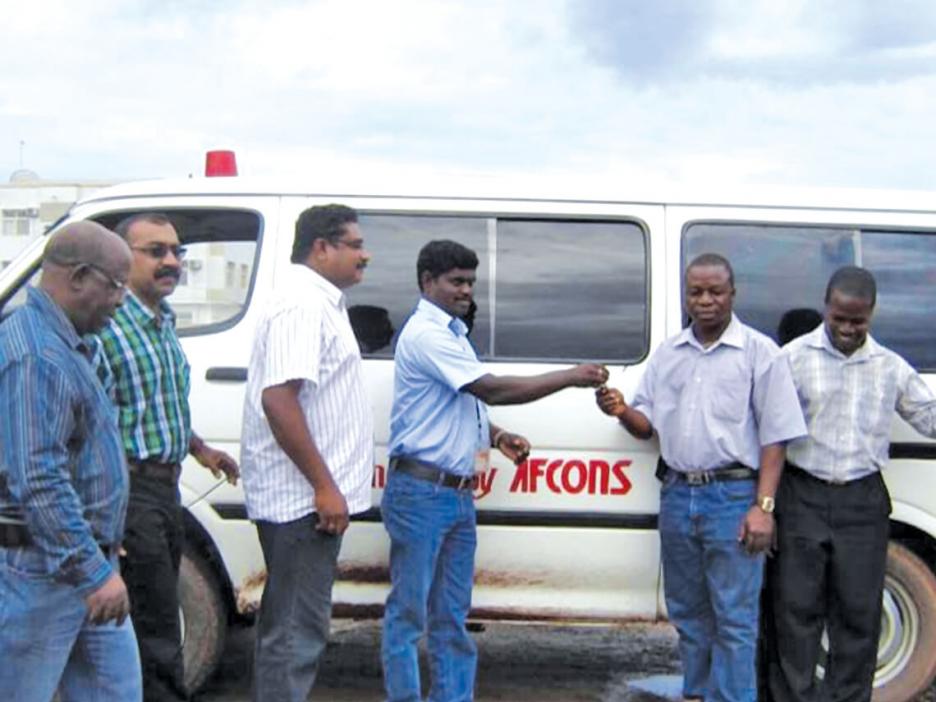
x=906 y=662
x=203 y=617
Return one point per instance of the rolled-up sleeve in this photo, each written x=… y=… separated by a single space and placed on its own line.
x=39 y=475
x=445 y=358
x=646 y=389
x=916 y=403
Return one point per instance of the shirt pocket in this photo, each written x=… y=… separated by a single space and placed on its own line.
x=730 y=397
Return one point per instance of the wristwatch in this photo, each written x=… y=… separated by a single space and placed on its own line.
x=766 y=503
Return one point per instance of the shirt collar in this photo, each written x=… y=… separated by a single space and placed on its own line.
x=332 y=293
x=819 y=339
x=137 y=309
x=436 y=314
x=732 y=336
x=56 y=317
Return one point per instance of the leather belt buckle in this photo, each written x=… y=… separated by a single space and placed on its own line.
x=697 y=478
x=465 y=483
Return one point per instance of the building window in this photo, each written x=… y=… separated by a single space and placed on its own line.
x=18 y=222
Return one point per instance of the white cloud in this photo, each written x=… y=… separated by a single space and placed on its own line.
x=795 y=93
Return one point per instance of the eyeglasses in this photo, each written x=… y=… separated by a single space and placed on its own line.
x=355 y=244
x=112 y=282
x=159 y=251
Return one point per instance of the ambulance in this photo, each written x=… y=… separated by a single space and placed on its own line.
x=569 y=271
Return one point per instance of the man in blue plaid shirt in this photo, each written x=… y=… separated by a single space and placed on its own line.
x=63 y=484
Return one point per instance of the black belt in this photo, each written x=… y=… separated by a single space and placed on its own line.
x=14 y=535
x=17 y=536
x=431 y=474
x=163 y=472
x=832 y=482
x=732 y=471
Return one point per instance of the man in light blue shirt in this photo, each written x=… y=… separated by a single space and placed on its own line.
x=721 y=399
x=440 y=436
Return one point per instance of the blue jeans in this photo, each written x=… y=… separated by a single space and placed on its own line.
x=432 y=547
x=47 y=644
x=712 y=586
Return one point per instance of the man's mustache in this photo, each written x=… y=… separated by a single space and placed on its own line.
x=168 y=272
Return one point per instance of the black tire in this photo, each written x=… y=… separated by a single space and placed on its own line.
x=204 y=619
x=907 y=651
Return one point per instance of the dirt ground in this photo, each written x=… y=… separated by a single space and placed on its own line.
x=517 y=663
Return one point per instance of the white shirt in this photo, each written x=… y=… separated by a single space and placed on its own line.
x=722 y=404
x=849 y=404
x=305 y=334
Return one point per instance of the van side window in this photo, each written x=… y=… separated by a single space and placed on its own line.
x=780 y=268
x=218 y=241
x=570 y=290
x=564 y=290
x=382 y=302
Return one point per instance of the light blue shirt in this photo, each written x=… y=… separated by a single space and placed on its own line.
x=432 y=419
x=718 y=405
x=849 y=404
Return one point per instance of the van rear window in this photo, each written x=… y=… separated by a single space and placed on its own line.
x=782 y=268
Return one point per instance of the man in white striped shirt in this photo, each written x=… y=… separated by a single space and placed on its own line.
x=307 y=447
x=832 y=504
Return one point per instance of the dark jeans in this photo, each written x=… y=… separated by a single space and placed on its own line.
x=295 y=610
x=153 y=540
x=828 y=572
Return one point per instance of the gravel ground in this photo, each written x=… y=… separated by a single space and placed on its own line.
x=517 y=663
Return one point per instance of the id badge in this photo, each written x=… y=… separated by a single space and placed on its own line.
x=482 y=461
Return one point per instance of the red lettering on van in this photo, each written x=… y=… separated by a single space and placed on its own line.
x=624 y=483
x=572 y=477
x=574 y=468
x=485 y=483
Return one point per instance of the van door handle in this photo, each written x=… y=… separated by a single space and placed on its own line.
x=227 y=374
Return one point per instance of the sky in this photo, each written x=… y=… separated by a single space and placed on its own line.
x=837 y=93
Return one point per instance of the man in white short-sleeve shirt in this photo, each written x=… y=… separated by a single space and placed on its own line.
x=307 y=447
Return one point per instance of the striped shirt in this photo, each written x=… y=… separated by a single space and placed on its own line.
x=62 y=468
x=849 y=404
x=149 y=374
x=305 y=334
x=722 y=404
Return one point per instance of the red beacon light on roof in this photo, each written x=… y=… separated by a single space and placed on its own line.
x=220 y=163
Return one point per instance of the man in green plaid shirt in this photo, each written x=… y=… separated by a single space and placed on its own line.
x=148 y=374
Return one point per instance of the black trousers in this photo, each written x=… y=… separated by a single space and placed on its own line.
x=153 y=539
x=828 y=572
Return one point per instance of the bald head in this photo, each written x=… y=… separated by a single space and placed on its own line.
x=84 y=270
x=85 y=242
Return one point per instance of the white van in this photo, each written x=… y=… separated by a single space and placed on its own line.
x=571 y=533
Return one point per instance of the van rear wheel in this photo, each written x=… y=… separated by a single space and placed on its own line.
x=203 y=618
x=906 y=662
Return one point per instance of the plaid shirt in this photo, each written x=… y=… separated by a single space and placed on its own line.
x=849 y=404
x=145 y=369
x=62 y=469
